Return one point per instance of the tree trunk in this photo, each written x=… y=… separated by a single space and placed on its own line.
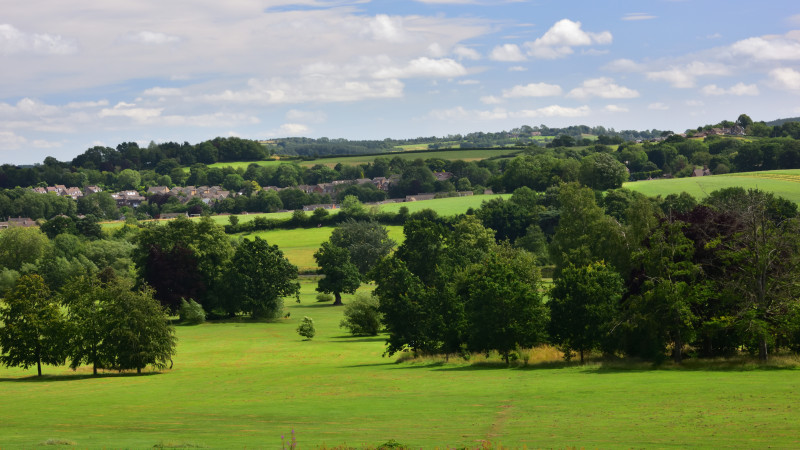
x=581 y=356
x=506 y=358
x=338 y=299
x=94 y=368
x=677 y=351
x=139 y=370
x=762 y=348
x=39 y=366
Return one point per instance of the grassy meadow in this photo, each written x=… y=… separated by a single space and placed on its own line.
x=246 y=384
x=784 y=183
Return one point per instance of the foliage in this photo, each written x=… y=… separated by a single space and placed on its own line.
x=33 y=329
x=340 y=275
x=191 y=312
x=583 y=306
x=21 y=245
x=365 y=241
x=257 y=278
x=306 y=328
x=324 y=297
x=361 y=316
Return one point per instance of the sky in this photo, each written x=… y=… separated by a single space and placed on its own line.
x=95 y=72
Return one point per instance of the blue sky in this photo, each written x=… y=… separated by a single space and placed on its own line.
x=90 y=72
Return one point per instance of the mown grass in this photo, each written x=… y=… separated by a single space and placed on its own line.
x=246 y=384
x=784 y=183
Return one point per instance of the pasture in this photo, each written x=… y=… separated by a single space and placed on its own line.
x=247 y=384
x=784 y=183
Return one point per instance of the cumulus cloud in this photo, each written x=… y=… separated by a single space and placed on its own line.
x=786 y=78
x=739 y=89
x=624 y=65
x=685 y=76
x=770 y=48
x=424 y=68
x=385 y=28
x=507 y=53
x=131 y=111
x=162 y=92
x=532 y=90
x=517 y=69
x=638 y=16
x=559 y=40
x=461 y=113
x=615 y=109
x=293 y=129
x=554 y=111
x=658 y=106
x=603 y=88
x=297 y=115
x=491 y=100
x=466 y=53
x=150 y=38
x=14 y=41
x=468 y=82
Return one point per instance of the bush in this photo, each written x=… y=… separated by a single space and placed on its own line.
x=361 y=316
x=306 y=328
x=191 y=312
x=324 y=297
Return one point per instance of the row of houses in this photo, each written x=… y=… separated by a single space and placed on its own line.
x=63 y=191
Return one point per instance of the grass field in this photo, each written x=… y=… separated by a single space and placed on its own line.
x=299 y=245
x=237 y=385
x=785 y=183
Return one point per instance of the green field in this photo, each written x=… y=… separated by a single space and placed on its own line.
x=785 y=183
x=299 y=245
x=237 y=385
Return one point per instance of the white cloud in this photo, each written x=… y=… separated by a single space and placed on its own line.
x=424 y=68
x=786 y=78
x=615 y=109
x=150 y=38
x=738 y=89
x=460 y=113
x=466 y=53
x=86 y=104
x=293 y=129
x=491 y=100
x=162 y=92
x=468 y=82
x=685 y=76
x=694 y=103
x=603 y=88
x=385 y=28
x=507 y=53
x=658 y=106
x=297 y=115
x=554 y=111
x=532 y=90
x=624 y=65
x=558 y=41
x=794 y=20
x=122 y=109
x=638 y=16
x=770 y=48
x=11 y=141
x=517 y=69
x=14 y=41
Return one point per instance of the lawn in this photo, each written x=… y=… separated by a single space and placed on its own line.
x=785 y=183
x=237 y=385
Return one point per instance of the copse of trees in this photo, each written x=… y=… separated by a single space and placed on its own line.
x=89 y=321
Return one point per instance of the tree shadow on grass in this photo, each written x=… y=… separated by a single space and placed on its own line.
x=75 y=377
x=688 y=366
x=317 y=305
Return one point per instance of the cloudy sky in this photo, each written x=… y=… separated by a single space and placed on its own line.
x=94 y=72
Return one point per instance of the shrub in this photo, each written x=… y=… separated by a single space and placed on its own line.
x=324 y=297
x=191 y=312
x=306 y=328
x=361 y=316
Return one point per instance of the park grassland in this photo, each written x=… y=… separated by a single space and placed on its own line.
x=246 y=384
x=783 y=183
